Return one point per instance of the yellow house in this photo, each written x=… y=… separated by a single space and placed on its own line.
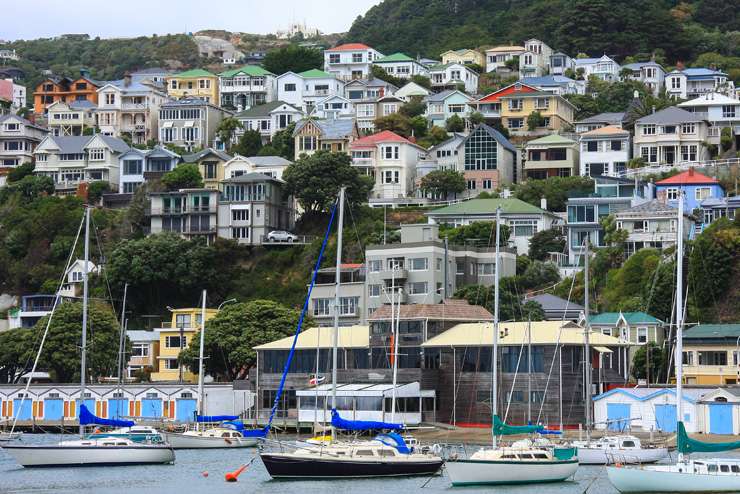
x=711 y=354
x=197 y=83
x=211 y=165
x=173 y=337
x=557 y=112
x=464 y=56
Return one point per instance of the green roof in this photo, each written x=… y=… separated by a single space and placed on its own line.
x=315 y=74
x=488 y=206
x=195 y=73
x=442 y=66
x=731 y=331
x=396 y=57
x=551 y=139
x=261 y=110
x=611 y=318
x=253 y=70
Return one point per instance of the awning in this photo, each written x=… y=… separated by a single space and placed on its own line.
x=602 y=349
x=188 y=123
x=166 y=125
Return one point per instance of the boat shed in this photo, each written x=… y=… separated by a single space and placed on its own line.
x=648 y=409
x=721 y=410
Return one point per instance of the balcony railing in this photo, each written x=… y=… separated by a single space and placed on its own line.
x=182 y=210
x=134 y=106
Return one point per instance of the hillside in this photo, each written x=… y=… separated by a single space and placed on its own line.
x=620 y=28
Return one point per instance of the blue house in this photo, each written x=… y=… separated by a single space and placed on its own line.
x=444 y=104
x=696 y=188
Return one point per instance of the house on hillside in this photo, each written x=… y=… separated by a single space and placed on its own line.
x=304 y=90
x=191 y=213
x=210 y=162
x=652 y=224
x=557 y=113
x=594 y=122
x=454 y=76
x=464 y=56
x=556 y=308
x=268 y=119
x=490 y=105
x=714 y=209
x=604 y=151
x=720 y=111
x=18 y=140
x=190 y=123
x=402 y=66
x=560 y=63
x=556 y=84
x=604 y=68
x=638 y=328
x=652 y=74
x=245 y=87
x=195 y=83
x=696 y=188
x=327 y=135
x=271 y=166
x=441 y=106
x=535 y=60
x=70 y=119
x=551 y=156
x=671 y=135
x=694 y=82
x=497 y=57
x=65 y=89
x=710 y=354
x=139 y=166
x=350 y=61
x=335 y=106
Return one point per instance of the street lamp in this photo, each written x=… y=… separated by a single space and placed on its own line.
x=226 y=302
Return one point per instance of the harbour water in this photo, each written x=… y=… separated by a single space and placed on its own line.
x=187 y=475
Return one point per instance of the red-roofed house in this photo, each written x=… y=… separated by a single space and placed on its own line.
x=391 y=160
x=696 y=188
x=350 y=61
x=490 y=106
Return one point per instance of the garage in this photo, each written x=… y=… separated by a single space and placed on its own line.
x=618 y=416
x=117 y=408
x=151 y=407
x=22 y=409
x=665 y=418
x=720 y=418
x=185 y=411
x=53 y=407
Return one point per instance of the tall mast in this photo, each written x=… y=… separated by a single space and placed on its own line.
x=587 y=345
x=494 y=357
x=83 y=359
x=678 y=357
x=201 y=398
x=122 y=338
x=335 y=334
x=395 y=354
x=529 y=370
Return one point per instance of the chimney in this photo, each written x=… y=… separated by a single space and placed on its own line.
x=691 y=172
x=411 y=138
x=680 y=65
x=127 y=79
x=543 y=203
x=653 y=108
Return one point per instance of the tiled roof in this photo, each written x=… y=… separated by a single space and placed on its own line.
x=713 y=331
x=551 y=139
x=262 y=110
x=350 y=47
x=670 y=115
x=395 y=57
x=609 y=130
x=315 y=74
x=487 y=206
x=689 y=177
x=194 y=73
x=384 y=136
x=253 y=70
x=443 y=311
x=611 y=318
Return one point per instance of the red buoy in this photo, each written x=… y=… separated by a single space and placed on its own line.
x=233 y=476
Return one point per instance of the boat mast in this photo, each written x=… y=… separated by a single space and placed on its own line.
x=395 y=354
x=85 y=270
x=201 y=410
x=678 y=358
x=587 y=344
x=494 y=357
x=122 y=338
x=529 y=370
x=335 y=334
x=393 y=339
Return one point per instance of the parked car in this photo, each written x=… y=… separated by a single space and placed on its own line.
x=281 y=236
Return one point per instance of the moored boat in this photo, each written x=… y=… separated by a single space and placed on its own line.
x=135 y=433
x=217 y=437
x=623 y=449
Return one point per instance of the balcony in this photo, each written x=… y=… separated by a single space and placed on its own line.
x=134 y=106
x=398 y=274
x=182 y=210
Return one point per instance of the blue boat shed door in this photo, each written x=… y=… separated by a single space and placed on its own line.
x=720 y=418
x=665 y=418
x=23 y=412
x=618 y=415
x=53 y=409
x=185 y=410
x=151 y=407
x=117 y=408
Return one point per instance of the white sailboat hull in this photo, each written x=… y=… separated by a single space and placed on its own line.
x=186 y=441
x=664 y=480
x=10 y=436
x=486 y=472
x=601 y=456
x=79 y=456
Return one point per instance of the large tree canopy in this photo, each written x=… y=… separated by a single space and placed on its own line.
x=293 y=58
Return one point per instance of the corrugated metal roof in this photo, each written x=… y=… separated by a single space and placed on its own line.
x=670 y=115
x=705 y=331
x=488 y=206
x=321 y=337
x=458 y=310
x=611 y=318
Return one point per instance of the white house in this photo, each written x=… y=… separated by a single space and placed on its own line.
x=272 y=166
x=268 y=118
x=604 y=151
x=719 y=110
x=350 y=61
x=402 y=66
x=18 y=140
x=497 y=56
x=605 y=68
x=556 y=84
x=138 y=164
x=410 y=90
x=535 y=60
x=246 y=87
x=671 y=135
x=651 y=74
x=304 y=90
x=693 y=82
x=71 y=160
x=391 y=160
x=72 y=286
x=450 y=75
x=335 y=106
x=559 y=63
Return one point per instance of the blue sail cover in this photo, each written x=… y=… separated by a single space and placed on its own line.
x=238 y=425
x=394 y=440
x=215 y=418
x=87 y=418
x=361 y=425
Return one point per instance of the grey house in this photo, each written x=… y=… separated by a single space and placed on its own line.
x=190 y=123
x=556 y=308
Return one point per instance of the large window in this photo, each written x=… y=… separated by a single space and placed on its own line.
x=712 y=358
x=390 y=152
x=132 y=167
x=701 y=193
x=418 y=288
x=183 y=320
x=322 y=307
x=418 y=264
x=688 y=153
x=481 y=151
x=648 y=130
x=523 y=228
x=175 y=341
x=140 y=350
x=581 y=214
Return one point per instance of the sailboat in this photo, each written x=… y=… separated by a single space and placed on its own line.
x=687 y=474
x=386 y=455
x=524 y=462
x=607 y=450
x=232 y=436
x=87 y=452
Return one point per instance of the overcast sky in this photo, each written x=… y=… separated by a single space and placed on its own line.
x=107 y=19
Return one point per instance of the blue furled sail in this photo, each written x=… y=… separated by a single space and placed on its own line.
x=361 y=425
x=238 y=425
x=304 y=310
x=215 y=418
x=394 y=440
x=87 y=418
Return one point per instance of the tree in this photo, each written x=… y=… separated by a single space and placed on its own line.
x=546 y=241
x=249 y=144
x=292 y=58
x=535 y=120
x=96 y=190
x=184 y=176
x=413 y=108
x=650 y=357
x=61 y=354
x=227 y=129
x=556 y=190
x=434 y=136
x=380 y=73
x=455 y=124
x=422 y=81
x=476 y=118
x=282 y=144
x=395 y=122
x=29 y=187
x=19 y=172
x=15 y=354
x=315 y=180
x=533 y=311
x=480 y=233
x=443 y=183
x=232 y=334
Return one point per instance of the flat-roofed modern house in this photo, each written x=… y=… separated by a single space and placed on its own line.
x=551 y=156
x=604 y=151
x=191 y=213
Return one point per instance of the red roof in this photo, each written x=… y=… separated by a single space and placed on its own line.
x=350 y=46
x=510 y=89
x=384 y=136
x=689 y=177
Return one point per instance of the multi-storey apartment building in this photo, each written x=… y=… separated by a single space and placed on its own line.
x=191 y=213
x=350 y=61
x=190 y=123
x=18 y=140
x=604 y=151
x=245 y=87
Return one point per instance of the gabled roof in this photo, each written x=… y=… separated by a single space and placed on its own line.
x=194 y=73
x=443 y=95
x=689 y=177
x=334 y=128
x=670 y=115
x=608 y=130
x=710 y=99
x=160 y=151
x=315 y=74
x=611 y=318
x=690 y=395
x=717 y=331
x=698 y=73
x=638 y=65
x=350 y=47
x=653 y=206
x=494 y=96
x=253 y=70
x=263 y=110
x=454 y=310
x=498 y=136
x=395 y=57
x=268 y=161
x=192 y=158
x=22 y=120
x=551 y=302
x=374 y=139
x=607 y=117
x=70 y=144
x=496 y=49
x=116 y=144
x=443 y=66
x=487 y=206
x=551 y=139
